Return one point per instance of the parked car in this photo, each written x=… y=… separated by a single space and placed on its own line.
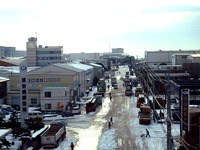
x=67 y=114
x=6 y=109
x=76 y=110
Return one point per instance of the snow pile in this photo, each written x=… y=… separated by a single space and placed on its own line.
x=108 y=140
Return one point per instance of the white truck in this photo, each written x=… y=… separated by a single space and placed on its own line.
x=53 y=135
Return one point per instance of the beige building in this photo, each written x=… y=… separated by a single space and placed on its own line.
x=51 y=87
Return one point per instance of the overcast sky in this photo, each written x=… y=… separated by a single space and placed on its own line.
x=99 y=25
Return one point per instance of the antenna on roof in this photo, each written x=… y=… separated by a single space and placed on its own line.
x=36 y=34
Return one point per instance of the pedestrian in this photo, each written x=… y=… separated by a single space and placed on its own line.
x=147 y=133
x=108 y=87
x=108 y=80
x=72 y=146
x=111 y=120
x=110 y=97
x=139 y=112
x=109 y=125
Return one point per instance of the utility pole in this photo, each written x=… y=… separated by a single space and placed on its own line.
x=168 y=116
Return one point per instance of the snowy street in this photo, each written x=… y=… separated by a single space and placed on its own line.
x=90 y=131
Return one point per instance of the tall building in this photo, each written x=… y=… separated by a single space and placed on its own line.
x=42 y=56
x=7 y=51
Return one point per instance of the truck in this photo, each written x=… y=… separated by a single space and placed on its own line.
x=99 y=99
x=138 y=90
x=128 y=91
x=106 y=75
x=145 y=115
x=91 y=105
x=53 y=135
x=101 y=87
x=113 y=80
x=140 y=99
x=112 y=72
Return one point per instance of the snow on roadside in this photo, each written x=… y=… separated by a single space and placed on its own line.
x=108 y=140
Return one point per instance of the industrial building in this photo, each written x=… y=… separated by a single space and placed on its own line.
x=52 y=86
x=165 y=56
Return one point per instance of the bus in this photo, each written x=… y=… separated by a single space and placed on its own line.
x=91 y=105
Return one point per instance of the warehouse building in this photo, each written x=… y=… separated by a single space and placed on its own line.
x=52 y=87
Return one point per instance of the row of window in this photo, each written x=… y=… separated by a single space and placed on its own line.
x=48 y=58
x=44 y=80
x=48 y=52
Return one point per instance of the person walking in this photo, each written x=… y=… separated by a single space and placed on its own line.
x=109 y=125
x=139 y=112
x=111 y=120
x=147 y=133
x=110 y=97
x=108 y=87
x=72 y=146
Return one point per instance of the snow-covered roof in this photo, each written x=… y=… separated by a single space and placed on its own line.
x=13 y=60
x=56 y=69
x=81 y=66
x=69 y=67
x=4 y=132
x=2 y=79
x=195 y=55
x=93 y=64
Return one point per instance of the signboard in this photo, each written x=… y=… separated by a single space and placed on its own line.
x=185 y=109
x=23 y=93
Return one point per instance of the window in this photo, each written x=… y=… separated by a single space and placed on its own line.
x=34 y=101
x=24 y=103
x=23 y=91
x=47 y=94
x=23 y=97
x=47 y=106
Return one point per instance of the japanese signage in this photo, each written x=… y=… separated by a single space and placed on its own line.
x=23 y=93
x=185 y=109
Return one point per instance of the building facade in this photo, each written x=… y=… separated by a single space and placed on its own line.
x=42 y=56
x=117 y=50
x=83 y=56
x=45 y=84
x=165 y=56
x=7 y=51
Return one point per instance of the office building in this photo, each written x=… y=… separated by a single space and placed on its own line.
x=42 y=56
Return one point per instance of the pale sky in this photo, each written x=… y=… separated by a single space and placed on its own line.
x=99 y=25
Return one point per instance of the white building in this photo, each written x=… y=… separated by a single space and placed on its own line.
x=193 y=58
x=166 y=56
x=42 y=56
